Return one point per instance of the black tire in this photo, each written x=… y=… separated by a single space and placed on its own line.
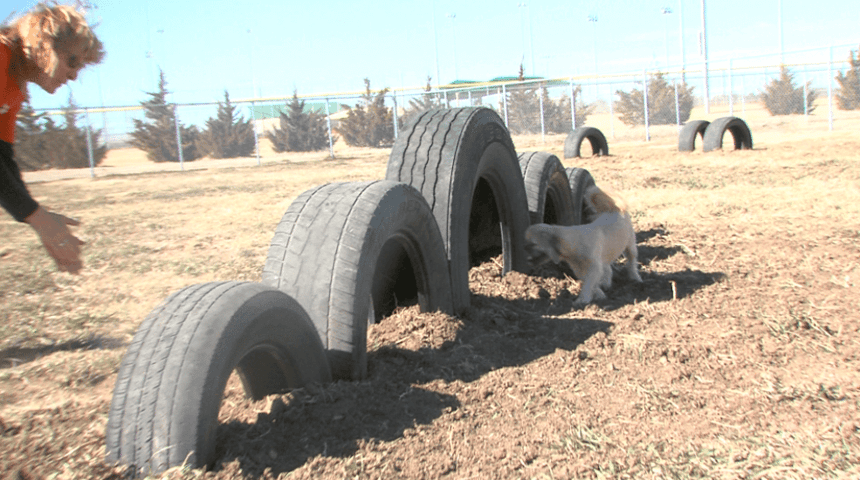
x=547 y=189
x=689 y=132
x=573 y=142
x=352 y=252
x=464 y=163
x=713 y=139
x=168 y=392
x=580 y=179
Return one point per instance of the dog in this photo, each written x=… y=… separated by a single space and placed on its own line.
x=589 y=249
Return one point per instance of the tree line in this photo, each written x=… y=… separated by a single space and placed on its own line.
x=42 y=143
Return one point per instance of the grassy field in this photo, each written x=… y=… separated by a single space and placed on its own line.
x=738 y=358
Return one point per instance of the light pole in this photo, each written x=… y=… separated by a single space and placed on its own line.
x=593 y=20
x=666 y=12
x=436 y=44
x=251 y=61
x=781 y=38
x=706 y=93
x=681 y=40
x=452 y=16
x=531 y=33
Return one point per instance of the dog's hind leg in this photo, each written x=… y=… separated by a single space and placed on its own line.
x=631 y=256
x=606 y=276
x=590 y=289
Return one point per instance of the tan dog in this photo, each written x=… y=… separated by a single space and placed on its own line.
x=589 y=249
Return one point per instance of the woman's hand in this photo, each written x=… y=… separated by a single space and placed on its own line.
x=53 y=231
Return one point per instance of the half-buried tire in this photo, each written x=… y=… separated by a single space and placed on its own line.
x=164 y=411
x=580 y=179
x=573 y=142
x=689 y=132
x=713 y=139
x=464 y=163
x=547 y=189
x=350 y=253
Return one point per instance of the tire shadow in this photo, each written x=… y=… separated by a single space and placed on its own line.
x=335 y=420
x=14 y=356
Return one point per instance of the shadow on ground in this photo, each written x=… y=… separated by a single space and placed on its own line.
x=14 y=356
x=495 y=332
x=335 y=420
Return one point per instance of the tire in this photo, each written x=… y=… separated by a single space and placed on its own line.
x=350 y=253
x=164 y=410
x=713 y=138
x=688 y=134
x=580 y=179
x=573 y=142
x=547 y=189
x=464 y=163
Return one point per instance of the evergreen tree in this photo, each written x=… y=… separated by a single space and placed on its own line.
x=40 y=143
x=29 y=141
x=69 y=148
x=425 y=102
x=299 y=131
x=227 y=135
x=848 y=97
x=781 y=97
x=557 y=114
x=661 y=103
x=523 y=108
x=525 y=104
x=158 y=137
x=370 y=124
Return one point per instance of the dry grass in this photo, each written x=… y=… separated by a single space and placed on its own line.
x=746 y=371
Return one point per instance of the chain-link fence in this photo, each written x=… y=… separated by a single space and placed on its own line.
x=633 y=106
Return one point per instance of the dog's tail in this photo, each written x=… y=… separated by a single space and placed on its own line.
x=604 y=200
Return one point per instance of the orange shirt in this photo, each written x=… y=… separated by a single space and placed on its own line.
x=11 y=97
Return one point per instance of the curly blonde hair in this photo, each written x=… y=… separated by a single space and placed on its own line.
x=37 y=37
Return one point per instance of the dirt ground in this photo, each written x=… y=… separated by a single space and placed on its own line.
x=737 y=358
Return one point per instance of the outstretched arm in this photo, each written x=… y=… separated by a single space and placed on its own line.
x=53 y=230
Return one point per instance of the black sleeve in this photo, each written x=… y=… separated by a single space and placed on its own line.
x=14 y=196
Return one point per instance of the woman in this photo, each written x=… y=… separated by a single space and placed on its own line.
x=47 y=46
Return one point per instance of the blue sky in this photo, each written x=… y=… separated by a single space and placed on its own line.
x=205 y=47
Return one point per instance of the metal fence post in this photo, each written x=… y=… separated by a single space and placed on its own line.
x=829 y=88
x=328 y=124
x=805 y=94
x=394 y=97
x=611 y=113
x=256 y=135
x=505 y=103
x=89 y=144
x=677 y=105
x=645 y=101
x=178 y=137
x=731 y=92
x=542 y=129
x=572 y=106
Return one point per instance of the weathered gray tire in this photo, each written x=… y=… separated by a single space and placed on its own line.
x=713 y=139
x=168 y=392
x=689 y=132
x=352 y=252
x=547 y=189
x=580 y=179
x=464 y=163
x=573 y=142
